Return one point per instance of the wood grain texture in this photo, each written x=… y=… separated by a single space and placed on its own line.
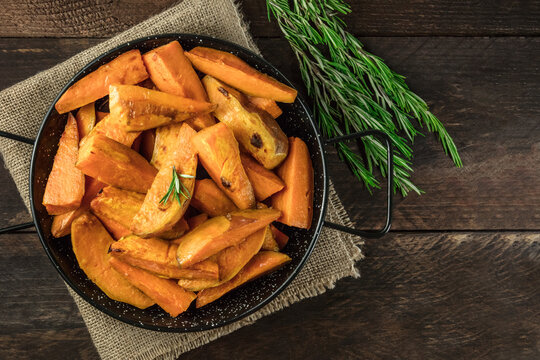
x=98 y=18
x=485 y=90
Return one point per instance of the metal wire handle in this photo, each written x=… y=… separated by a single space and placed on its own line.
x=390 y=185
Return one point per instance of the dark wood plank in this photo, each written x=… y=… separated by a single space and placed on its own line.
x=39 y=318
x=91 y=18
x=485 y=90
x=421 y=295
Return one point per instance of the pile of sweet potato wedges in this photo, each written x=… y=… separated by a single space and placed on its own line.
x=112 y=171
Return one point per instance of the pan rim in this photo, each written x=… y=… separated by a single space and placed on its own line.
x=320 y=221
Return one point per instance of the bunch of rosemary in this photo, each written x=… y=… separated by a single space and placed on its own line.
x=353 y=90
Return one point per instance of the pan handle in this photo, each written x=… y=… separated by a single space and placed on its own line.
x=390 y=185
x=25 y=140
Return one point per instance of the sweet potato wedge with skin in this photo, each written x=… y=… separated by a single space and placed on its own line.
x=127 y=68
x=116 y=208
x=261 y=264
x=296 y=200
x=90 y=243
x=155 y=217
x=197 y=220
x=279 y=236
x=115 y=164
x=178 y=229
x=220 y=156
x=256 y=131
x=86 y=119
x=267 y=105
x=65 y=186
x=220 y=232
x=165 y=144
x=159 y=257
x=140 y=109
x=166 y=293
x=264 y=182
x=112 y=129
x=238 y=74
x=209 y=199
x=172 y=73
x=61 y=225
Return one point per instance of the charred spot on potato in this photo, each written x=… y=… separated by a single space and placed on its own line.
x=256 y=140
x=225 y=183
x=223 y=91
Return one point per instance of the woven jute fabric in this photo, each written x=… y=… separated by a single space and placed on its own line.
x=22 y=107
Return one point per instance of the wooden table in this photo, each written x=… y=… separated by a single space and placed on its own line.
x=458 y=276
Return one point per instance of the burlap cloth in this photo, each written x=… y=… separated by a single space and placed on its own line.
x=22 y=108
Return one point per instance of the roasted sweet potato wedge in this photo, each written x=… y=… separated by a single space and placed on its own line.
x=257 y=132
x=116 y=208
x=172 y=73
x=115 y=164
x=112 y=129
x=139 y=109
x=197 y=220
x=91 y=243
x=238 y=74
x=220 y=156
x=61 y=225
x=65 y=186
x=127 y=68
x=281 y=238
x=267 y=105
x=209 y=199
x=156 y=217
x=264 y=182
x=100 y=115
x=165 y=144
x=262 y=263
x=220 y=232
x=178 y=229
x=166 y=293
x=296 y=200
x=269 y=243
x=86 y=119
x=159 y=257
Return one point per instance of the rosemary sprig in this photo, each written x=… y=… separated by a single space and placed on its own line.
x=177 y=188
x=354 y=90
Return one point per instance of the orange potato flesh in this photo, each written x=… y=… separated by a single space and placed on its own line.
x=114 y=228
x=269 y=243
x=166 y=293
x=118 y=206
x=238 y=74
x=280 y=237
x=115 y=164
x=100 y=115
x=256 y=131
x=261 y=264
x=267 y=105
x=172 y=73
x=86 y=119
x=155 y=217
x=61 y=225
x=220 y=156
x=197 y=220
x=265 y=183
x=148 y=139
x=127 y=68
x=178 y=229
x=159 y=257
x=220 y=232
x=165 y=144
x=209 y=199
x=65 y=186
x=138 y=108
x=90 y=243
x=296 y=200
x=112 y=129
